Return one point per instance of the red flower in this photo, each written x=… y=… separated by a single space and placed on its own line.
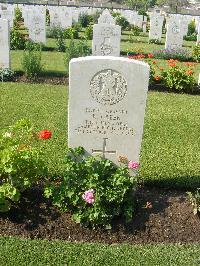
x=189 y=64
x=189 y=72
x=148 y=205
x=44 y=134
x=150 y=56
x=157 y=78
x=154 y=62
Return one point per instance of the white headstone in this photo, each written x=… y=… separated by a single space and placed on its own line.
x=174 y=36
x=37 y=27
x=66 y=18
x=106 y=36
x=4 y=44
x=198 y=35
x=107 y=106
x=156 y=23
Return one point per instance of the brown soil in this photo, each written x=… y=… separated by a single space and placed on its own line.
x=170 y=220
x=45 y=79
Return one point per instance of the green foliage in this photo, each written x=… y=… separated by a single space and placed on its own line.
x=191 y=28
x=122 y=21
x=18 y=17
x=192 y=37
x=112 y=187
x=20 y=162
x=194 y=198
x=89 y=33
x=6 y=74
x=53 y=32
x=155 y=41
x=47 y=17
x=71 y=32
x=181 y=54
x=17 y=40
x=60 y=40
x=196 y=53
x=135 y=30
x=76 y=49
x=32 y=61
x=179 y=78
x=85 y=20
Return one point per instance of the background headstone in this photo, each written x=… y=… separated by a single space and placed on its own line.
x=107 y=105
x=4 y=44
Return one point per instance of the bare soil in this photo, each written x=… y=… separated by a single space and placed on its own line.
x=170 y=220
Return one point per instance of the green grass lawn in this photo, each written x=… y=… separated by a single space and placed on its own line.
x=170 y=151
x=20 y=252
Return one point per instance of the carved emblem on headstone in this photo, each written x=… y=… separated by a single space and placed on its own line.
x=108 y=87
x=175 y=30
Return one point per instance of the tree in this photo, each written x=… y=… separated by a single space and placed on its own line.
x=136 y=4
x=175 y=5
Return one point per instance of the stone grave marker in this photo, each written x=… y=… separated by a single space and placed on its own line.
x=107 y=106
x=37 y=27
x=156 y=23
x=4 y=43
x=106 y=36
x=174 y=36
x=198 y=35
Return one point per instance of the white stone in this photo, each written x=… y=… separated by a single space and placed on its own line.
x=198 y=35
x=37 y=27
x=106 y=18
x=66 y=18
x=156 y=23
x=107 y=106
x=4 y=43
x=106 y=37
x=174 y=36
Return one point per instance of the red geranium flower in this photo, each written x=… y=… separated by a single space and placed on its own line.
x=150 y=56
x=189 y=72
x=157 y=78
x=44 y=134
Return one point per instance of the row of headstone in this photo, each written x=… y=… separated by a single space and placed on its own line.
x=4 y=43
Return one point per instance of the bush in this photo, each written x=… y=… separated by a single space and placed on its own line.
x=89 y=33
x=76 y=49
x=20 y=165
x=155 y=41
x=179 y=54
x=85 y=20
x=94 y=190
x=192 y=37
x=60 y=40
x=135 y=30
x=6 y=74
x=31 y=61
x=191 y=28
x=71 y=33
x=196 y=53
x=194 y=198
x=123 y=22
x=17 y=40
x=179 y=78
x=18 y=17
x=53 y=32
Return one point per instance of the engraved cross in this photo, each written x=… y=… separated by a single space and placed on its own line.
x=104 y=150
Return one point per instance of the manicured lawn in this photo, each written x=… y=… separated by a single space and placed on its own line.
x=40 y=252
x=170 y=151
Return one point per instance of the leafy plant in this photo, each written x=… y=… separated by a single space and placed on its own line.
x=76 y=49
x=85 y=20
x=191 y=28
x=135 y=30
x=18 y=18
x=192 y=37
x=20 y=162
x=179 y=54
x=89 y=33
x=32 y=61
x=179 y=78
x=93 y=189
x=122 y=21
x=194 y=198
x=17 y=40
x=155 y=41
x=6 y=74
x=60 y=41
x=196 y=52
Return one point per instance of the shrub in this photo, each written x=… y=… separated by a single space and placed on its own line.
x=196 y=53
x=76 y=49
x=60 y=40
x=20 y=162
x=85 y=20
x=179 y=78
x=194 y=198
x=53 y=32
x=6 y=74
x=155 y=41
x=17 y=40
x=135 y=30
x=89 y=33
x=191 y=28
x=192 y=37
x=18 y=18
x=47 y=17
x=31 y=62
x=71 y=33
x=122 y=21
x=179 y=54
x=94 y=190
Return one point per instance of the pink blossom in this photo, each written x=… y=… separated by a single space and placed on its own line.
x=89 y=196
x=133 y=165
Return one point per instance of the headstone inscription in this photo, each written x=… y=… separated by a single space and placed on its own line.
x=37 y=27
x=174 y=36
x=107 y=106
x=106 y=36
x=4 y=43
x=156 y=24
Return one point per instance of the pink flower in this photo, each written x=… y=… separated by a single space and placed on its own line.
x=88 y=196
x=133 y=165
